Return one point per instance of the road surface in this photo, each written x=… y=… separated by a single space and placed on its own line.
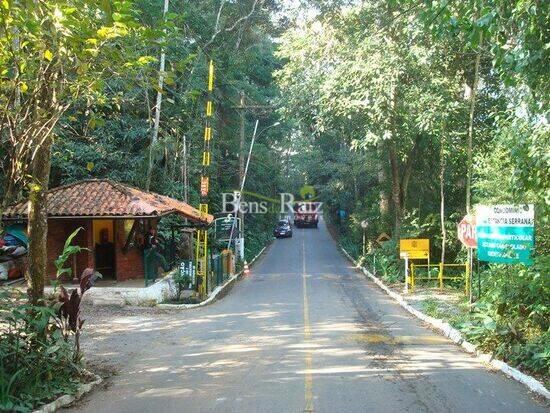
x=304 y=332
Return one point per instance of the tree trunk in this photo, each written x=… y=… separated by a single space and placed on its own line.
x=184 y=171
x=395 y=190
x=442 y=194
x=394 y=164
x=384 y=199
x=407 y=172
x=154 y=136
x=38 y=222
x=471 y=126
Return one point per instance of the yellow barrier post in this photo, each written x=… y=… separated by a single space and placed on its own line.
x=440 y=275
x=412 y=276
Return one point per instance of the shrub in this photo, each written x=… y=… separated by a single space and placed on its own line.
x=385 y=262
x=181 y=282
x=36 y=360
x=511 y=318
x=40 y=345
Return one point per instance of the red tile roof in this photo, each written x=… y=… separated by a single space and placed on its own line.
x=105 y=198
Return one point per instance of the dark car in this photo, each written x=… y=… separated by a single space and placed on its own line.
x=283 y=229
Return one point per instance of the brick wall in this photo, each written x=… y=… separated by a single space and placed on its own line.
x=58 y=232
x=128 y=265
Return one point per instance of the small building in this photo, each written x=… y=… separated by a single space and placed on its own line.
x=114 y=219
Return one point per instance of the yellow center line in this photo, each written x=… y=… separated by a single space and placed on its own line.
x=308 y=378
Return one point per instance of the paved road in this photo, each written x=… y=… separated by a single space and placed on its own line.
x=305 y=332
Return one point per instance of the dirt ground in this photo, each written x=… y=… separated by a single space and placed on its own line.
x=109 y=338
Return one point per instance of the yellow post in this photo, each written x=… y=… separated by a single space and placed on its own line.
x=440 y=275
x=201 y=252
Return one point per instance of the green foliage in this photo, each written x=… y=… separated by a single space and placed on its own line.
x=385 y=262
x=181 y=283
x=511 y=317
x=68 y=251
x=40 y=345
x=36 y=361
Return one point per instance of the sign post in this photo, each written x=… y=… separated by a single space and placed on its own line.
x=415 y=248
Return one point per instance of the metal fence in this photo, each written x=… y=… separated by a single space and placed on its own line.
x=222 y=267
x=442 y=273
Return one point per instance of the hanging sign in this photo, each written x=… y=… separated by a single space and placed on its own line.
x=414 y=248
x=467 y=231
x=505 y=233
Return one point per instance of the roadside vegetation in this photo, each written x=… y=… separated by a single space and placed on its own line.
x=40 y=356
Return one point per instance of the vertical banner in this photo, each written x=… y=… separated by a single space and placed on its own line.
x=505 y=233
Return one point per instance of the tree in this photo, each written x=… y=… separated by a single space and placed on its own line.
x=378 y=87
x=53 y=54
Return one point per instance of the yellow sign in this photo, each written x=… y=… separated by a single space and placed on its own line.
x=414 y=248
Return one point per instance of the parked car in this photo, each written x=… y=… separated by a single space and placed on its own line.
x=283 y=229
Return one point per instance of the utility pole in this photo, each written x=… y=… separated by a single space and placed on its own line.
x=184 y=171
x=241 y=109
x=156 y=125
x=242 y=114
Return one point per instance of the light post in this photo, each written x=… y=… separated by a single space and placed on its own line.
x=364 y=225
x=241 y=235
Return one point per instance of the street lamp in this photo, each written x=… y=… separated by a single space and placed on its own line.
x=364 y=225
x=254 y=135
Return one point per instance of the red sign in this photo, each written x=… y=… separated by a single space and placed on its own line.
x=467 y=231
x=204 y=185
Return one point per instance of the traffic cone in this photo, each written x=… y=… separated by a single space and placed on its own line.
x=246 y=270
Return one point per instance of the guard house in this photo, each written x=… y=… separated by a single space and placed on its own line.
x=114 y=218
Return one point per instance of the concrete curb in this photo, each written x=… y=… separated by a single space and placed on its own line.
x=67 y=399
x=445 y=328
x=217 y=291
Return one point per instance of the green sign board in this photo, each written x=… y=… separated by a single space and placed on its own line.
x=223 y=228
x=505 y=233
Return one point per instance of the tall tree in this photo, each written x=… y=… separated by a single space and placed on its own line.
x=63 y=51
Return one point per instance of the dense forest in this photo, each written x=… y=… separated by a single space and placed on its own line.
x=403 y=113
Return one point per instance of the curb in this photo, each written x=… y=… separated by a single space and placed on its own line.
x=67 y=399
x=217 y=291
x=445 y=328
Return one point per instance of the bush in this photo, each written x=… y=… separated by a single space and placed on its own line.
x=385 y=262
x=40 y=345
x=36 y=361
x=511 y=318
x=181 y=282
